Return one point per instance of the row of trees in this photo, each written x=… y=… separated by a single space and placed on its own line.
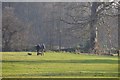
x=60 y=25
x=14 y=32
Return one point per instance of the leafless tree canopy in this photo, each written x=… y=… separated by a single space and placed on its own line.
x=60 y=25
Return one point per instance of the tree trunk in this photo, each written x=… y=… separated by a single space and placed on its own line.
x=92 y=25
x=119 y=30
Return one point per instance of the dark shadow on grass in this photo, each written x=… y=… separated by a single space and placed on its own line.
x=94 y=61
x=95 y=74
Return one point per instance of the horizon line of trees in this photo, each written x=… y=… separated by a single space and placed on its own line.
x=89 y=25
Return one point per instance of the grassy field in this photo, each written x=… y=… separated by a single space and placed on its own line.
x=61 y=65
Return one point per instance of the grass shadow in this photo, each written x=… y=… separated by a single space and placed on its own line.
x=94 y=74
x=93 y=61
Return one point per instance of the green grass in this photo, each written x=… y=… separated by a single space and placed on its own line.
x=61 y=65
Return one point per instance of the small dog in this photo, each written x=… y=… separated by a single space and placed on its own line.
x=29 y=53
x=40 y=53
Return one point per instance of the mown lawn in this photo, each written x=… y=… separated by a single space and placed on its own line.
x=61 y=65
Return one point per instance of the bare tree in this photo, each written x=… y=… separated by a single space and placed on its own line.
x=12 y=29
x=92 y=12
